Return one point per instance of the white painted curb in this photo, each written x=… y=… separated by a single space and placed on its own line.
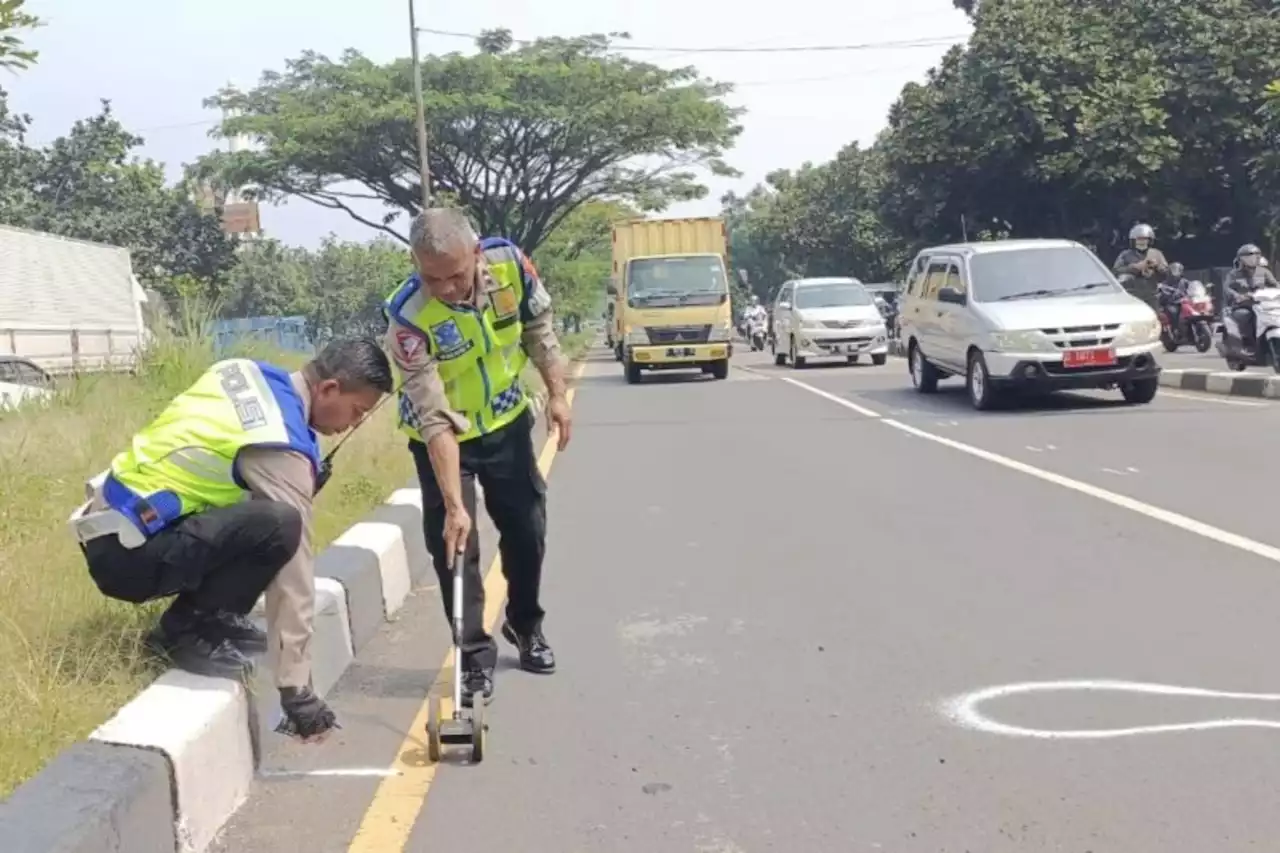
x=387 y=541
x=202 y=725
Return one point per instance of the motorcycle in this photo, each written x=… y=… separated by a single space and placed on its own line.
x=1266 y=347
x=757 y=335
x=1195 y=315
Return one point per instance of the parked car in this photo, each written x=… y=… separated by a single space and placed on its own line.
x=1042 y=315
x=826 y=318
x=22 y=382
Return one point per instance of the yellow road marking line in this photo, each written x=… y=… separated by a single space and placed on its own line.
x=395 y=807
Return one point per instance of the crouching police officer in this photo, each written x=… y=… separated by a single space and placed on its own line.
x=170 y=516
x=461 y=331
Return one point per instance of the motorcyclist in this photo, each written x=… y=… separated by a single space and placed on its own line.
x=1141 y=260
x=755 y=314
x=1247 y=277
x=1170 y=292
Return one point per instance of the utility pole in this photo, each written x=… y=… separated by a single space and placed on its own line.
x=424 y=172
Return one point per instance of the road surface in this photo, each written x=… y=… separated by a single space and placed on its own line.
x=770 y=595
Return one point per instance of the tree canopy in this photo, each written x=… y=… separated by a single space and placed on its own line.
x=89 y=184
x=1064 y=118
x=13 y=19
x=521 y=136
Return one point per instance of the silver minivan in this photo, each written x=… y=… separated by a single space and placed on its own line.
x=1036 y=315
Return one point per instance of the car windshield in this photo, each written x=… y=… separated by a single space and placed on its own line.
x=1037 y=273
x=834 y=295
x=681 y=280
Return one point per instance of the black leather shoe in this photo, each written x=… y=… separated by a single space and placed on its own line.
x=535 y=653
x=240 y=631
x=477 y=681
x=198 y=653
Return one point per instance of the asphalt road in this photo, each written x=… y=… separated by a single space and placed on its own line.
x=763 y=595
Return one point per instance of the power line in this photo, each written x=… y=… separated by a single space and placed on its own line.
x=936 y=41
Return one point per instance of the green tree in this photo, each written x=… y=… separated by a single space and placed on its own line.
x=13 y=53
x=1077 y=118
x=521 y=136
x=269 y=279
x=350 y=281
x=90 y=185
x=817 y=221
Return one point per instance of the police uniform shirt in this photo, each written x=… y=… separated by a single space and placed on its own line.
x=423 y=388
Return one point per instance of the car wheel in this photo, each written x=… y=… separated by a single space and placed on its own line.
x=797 y=361
x=879 y=359
x=924 y=376
x=1140 y=391
x=982 y=394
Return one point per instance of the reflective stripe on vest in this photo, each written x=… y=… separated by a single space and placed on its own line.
x=479 y=353
x=184 y=461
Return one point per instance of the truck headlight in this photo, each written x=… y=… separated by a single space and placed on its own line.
x=1138 y=333
x=1030 y=340
x=721 y=334
x=637 y=337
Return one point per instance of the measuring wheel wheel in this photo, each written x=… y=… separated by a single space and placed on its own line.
x=433 y=728
x=478 y=732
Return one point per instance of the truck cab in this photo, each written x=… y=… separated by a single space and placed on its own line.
x=671 y=293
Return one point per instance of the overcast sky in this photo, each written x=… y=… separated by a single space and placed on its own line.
x=156 y=60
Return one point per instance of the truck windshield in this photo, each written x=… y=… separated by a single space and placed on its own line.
x=687 y=280
x=835 y=295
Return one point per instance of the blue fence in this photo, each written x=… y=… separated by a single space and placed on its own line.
x=287 y=333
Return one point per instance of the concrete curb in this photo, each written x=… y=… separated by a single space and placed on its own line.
x=171 y=767
x=1265 y=385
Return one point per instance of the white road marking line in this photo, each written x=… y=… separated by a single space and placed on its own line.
x=963 y=710
x=1209 y=398
x=862 y=410
x=1174 y=519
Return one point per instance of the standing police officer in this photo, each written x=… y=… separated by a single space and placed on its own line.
x=461 y=330
x=170 y=516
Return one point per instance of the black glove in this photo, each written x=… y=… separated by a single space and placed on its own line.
x=305 y=714
x=322 y=475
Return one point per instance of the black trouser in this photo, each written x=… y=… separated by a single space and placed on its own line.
x=220 y=559
x=515 y=495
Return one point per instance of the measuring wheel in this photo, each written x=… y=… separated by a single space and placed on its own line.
x=433 y=727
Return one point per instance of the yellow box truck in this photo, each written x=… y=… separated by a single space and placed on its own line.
x=671 y=296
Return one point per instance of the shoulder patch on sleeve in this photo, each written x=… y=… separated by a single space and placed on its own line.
x=539 y=298
x=412 y=345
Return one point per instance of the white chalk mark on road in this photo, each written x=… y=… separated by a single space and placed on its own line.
x=965 y=710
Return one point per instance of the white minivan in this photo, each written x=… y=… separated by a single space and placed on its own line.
x=826 y=318
x=1041 y=315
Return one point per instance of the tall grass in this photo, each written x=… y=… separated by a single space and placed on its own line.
x=68 y=656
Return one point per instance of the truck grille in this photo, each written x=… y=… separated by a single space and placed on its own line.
x=678 y=334
x=1070 y=337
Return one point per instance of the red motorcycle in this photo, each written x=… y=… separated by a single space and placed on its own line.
x=1195 y=321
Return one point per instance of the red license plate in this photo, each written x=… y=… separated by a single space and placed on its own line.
x=1088 y=358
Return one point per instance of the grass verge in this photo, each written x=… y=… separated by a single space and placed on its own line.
x=69 y=658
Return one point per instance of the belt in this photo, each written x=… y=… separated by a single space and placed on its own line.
x=87 y=526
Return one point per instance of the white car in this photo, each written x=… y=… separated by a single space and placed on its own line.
x=22 y=382
x=826 y=318
x=1026 y=314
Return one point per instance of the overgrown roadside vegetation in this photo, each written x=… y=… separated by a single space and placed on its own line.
x=68 y=656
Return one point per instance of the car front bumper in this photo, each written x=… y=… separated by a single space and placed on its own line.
x=1044 y=371
x=839 y=343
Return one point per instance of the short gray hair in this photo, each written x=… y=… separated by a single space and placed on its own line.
x=438 y=230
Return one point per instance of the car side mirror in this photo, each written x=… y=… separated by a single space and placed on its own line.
x=952 y=296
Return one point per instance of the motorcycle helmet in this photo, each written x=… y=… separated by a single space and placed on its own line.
x=1175 y=270
x=1249 y=255
x=1143 y=234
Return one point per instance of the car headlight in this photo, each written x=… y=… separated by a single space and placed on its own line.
x=1030 y=340
x=1138 y=333
x=637 y=337
x=807 y=322
x=721 y=334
